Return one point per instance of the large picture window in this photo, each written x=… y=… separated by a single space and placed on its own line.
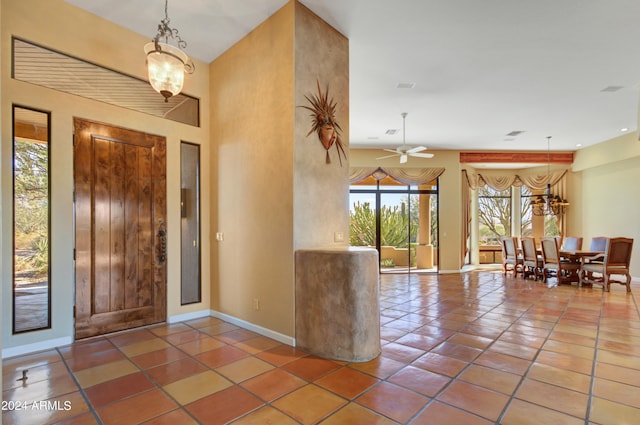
x=494 y=214
x=31 y=231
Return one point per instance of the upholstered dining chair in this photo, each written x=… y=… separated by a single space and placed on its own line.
x=531 y=261
x=598 y=243
x=511 y=260
x=572 y=243
x=614 y=261
x=564 y=271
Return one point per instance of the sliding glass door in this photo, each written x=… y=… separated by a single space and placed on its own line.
x=400 y=221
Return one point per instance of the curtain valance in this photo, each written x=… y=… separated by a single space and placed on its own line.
x=406 y=176
x=503 y=181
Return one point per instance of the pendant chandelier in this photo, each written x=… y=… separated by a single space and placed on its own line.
x=548 y=203
x=167 y=64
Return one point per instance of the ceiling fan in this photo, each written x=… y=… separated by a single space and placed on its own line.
x=404 y=151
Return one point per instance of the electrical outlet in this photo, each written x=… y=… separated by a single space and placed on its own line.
x=338 y=237
x=256 y=304
x=220 y=236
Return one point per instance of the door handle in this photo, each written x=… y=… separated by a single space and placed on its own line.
x=162 y=236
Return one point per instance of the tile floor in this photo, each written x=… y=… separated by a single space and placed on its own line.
x=475 y=348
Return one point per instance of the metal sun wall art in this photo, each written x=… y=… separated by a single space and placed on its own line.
x=324 y=122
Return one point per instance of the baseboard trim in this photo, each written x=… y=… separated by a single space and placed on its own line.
x=450 y=271
x=188 y=316
x=36 y=346
x=285 y=339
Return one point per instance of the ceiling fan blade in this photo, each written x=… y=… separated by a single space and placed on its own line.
x=388 y=156
x=417 y=149
x=422 y=155
x=392 y=150
x=403 y=158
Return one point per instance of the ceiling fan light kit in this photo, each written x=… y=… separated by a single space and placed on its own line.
x=404 y=151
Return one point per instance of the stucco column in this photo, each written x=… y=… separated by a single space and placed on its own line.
x=424 y=250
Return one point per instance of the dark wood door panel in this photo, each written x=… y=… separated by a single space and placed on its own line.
x=120 y=184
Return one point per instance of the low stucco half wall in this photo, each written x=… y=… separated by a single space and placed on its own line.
x=337 y=303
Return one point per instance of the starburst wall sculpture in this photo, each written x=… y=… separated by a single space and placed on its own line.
x=324 y=122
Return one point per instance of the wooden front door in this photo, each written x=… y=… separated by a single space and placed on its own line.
x=120 y=228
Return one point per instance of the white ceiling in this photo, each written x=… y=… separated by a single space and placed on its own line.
x=481 y=68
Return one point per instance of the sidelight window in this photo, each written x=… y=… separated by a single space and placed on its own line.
x=31 y=220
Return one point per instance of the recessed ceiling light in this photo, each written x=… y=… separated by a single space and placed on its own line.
x=624 y=129
x=373 y=138
x=612 y=88
x=406 y=85
x=579 y=145
x=515 y=133
x=392 y=131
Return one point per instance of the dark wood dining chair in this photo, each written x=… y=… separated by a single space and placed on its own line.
x=564 y=271
x=614 y=261
x=531 y=261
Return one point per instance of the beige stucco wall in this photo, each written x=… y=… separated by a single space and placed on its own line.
x=251 y=122
x=60 y=26
x=608 y=202
x=273 y=192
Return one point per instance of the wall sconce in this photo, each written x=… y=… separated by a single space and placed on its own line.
x=166 y=64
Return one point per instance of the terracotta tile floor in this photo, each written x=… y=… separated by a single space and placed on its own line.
x=475 y=348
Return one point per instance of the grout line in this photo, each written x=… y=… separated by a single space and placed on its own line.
x=209 y=368
x=80 y=389
x=533 y=360
x=520 y=316
x=592 y=381
x=153 y=381
x=406 y=291
x=457 y=376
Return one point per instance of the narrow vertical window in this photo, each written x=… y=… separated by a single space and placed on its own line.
x=190 y=286
x=31 y=220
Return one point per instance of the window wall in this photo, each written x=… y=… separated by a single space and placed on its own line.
x=399 y=220
x=508 y=212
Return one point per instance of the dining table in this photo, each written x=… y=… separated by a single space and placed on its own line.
x=576 y=255
x=579 y=256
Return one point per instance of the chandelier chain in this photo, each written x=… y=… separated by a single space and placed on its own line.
x=165 y=31
x=548 y=204
x=549 y=159
x=167 y=64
